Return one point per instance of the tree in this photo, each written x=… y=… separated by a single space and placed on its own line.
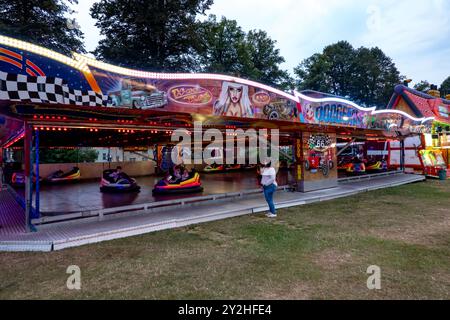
x=445 y=87
x=329 y=71
x=374 y=77
x=311 y=74
x=159 y=35
x=228 y=49
x=365 y=75
x=223 y=47
x=43 y=22
x=423 y=86
x=266 y=60
x=67 y=155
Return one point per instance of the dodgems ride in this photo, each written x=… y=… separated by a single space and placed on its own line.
x=61 y=176
x=113 y=182
x=214 y=168
x=191 y=184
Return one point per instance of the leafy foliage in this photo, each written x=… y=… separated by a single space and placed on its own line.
x=423 y=86
x=158 y=35
x=365 y=75
x=228 y=49
x=43 y=22
x=445 y=87
x=67 y=155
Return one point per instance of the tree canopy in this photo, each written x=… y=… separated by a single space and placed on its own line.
x=158 y=35
x=227 y=49
x=445 y=87
x=78 y=155
x=43 y=22
x=365 y=75
x=423 y=86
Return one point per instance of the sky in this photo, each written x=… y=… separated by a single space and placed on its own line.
x=414 y=33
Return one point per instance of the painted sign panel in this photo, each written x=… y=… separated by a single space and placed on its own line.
x=34 y=74
x=320 y=153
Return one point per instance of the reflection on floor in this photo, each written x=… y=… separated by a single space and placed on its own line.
x=83 y=196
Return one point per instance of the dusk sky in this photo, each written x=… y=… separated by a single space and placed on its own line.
x=414 y=33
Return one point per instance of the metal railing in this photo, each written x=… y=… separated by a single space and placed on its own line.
x=147 y=207
x=370 y=176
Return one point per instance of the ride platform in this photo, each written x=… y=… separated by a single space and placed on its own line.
x=66 y=235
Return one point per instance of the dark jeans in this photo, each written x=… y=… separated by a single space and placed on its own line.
x=268 y=193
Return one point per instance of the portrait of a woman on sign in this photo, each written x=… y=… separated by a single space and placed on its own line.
x=234 y=101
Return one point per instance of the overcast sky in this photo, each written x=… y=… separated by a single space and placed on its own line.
x=414 y=33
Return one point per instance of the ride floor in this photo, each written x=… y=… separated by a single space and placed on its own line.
x=86 y=195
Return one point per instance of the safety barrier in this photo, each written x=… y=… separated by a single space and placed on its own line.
x=369 y=176
x=100 y=214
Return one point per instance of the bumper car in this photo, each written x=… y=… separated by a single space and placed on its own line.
x=234 y=167
x=190 y=185
x=123 y=184
x=60 y=176
x=379 y=166
x=18 y=179
x=214 y=168
x=356 y=168
x=249 y=167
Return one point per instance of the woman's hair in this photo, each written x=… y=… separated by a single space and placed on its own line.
x=221 y=105
x=268 y=164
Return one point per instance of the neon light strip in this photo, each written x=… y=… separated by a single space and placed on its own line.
x=187 y=76
x=82 y=63
x=43 y=52
x=372 y=110
x=14 y=140
x=177 y=76
x=320 y=100
x=423 y=120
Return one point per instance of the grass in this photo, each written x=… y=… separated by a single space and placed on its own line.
x=318 y=251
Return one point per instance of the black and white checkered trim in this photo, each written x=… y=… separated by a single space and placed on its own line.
x=17 y=87
x=84 y=98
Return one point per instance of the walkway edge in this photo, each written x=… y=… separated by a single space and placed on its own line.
x=179 y=223
x=223 y=213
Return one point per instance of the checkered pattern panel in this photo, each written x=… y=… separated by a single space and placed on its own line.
x=17 y=87
x=84 y=98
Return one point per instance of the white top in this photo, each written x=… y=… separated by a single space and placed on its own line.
x=269 y=176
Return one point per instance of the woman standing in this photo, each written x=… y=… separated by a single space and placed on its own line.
x=269 y=183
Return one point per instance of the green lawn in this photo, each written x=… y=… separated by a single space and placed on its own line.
x=319 y=251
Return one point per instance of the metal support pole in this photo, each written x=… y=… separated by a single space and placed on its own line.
x=1 y=168
x=402 y=155
x=28 y=177
x=299 y=163
x=37 y=201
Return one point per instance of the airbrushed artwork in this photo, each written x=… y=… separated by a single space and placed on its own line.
x=320 y=154
x=33 y=74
